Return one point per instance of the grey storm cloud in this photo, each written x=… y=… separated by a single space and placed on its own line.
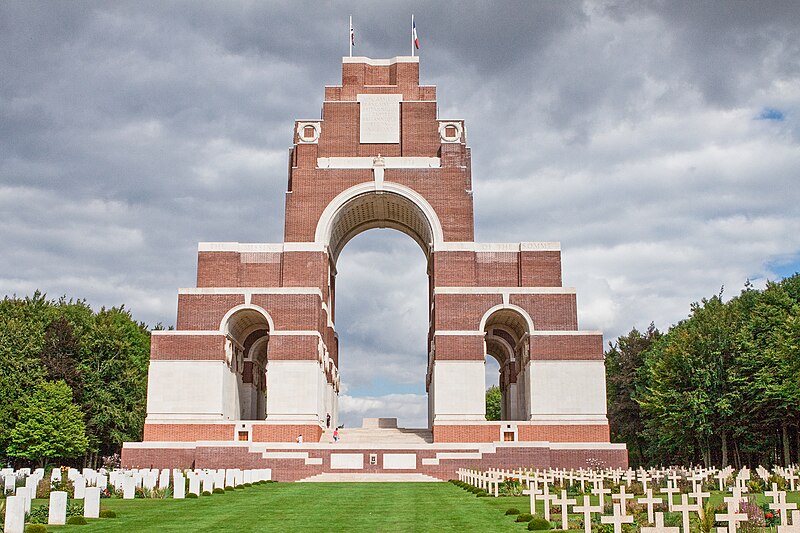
x=658 y=141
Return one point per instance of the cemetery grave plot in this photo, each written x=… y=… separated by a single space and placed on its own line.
x=672 y=500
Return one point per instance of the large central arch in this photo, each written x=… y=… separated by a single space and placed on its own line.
x=365 y=206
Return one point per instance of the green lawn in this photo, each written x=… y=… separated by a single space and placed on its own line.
x=312 y=507
x=373 y=507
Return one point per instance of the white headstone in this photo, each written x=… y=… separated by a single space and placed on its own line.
x=15 y=515
x=80 y=487
x=179 y=490
x=27 y=496
x=194 y=484
x=128 y=488
x=58 y=508
x=91 y=502
x=208 y=483
x=10 y=482
x=163 y=479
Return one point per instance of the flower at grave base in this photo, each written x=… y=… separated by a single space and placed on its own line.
x=769 y=515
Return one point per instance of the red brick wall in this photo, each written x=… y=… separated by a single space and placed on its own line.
x=204 y=311
x=549 y=311
x=291 y=311
x=564 y=433
x=217 y=269
x=292 y=347
x=572 y=347
x=460 y=348
x=540 y=269
x=463 y=311
x=286 y=432
x=454 y=269
x=187 y=347
x=188 y=432
x=466 y=433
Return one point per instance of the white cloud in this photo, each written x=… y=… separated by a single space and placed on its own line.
x=626 y=131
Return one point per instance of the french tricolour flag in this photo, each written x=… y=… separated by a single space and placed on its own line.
x=414 y=33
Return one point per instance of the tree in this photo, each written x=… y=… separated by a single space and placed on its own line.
x=50 y=426
x=493 y=399
x=625 y=380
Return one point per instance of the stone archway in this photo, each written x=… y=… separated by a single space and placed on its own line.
x=360 y=209
x=246 y=332
x=507 y=331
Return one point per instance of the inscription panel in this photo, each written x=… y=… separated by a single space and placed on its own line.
x=380 y=118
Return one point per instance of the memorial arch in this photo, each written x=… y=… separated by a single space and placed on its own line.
x=254 y=359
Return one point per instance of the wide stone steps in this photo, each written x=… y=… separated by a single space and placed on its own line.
x=377 y=437
x=333 y=477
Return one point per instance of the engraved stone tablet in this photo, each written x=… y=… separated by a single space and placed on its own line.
x=380 y=118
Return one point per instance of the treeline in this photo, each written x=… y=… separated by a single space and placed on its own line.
x=73 y=382
x=721 y=387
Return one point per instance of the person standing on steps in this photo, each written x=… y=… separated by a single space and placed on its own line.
x=328 y=421
x=300 y=439
x=336 y=435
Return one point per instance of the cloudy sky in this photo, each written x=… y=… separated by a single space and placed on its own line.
x=658 y=142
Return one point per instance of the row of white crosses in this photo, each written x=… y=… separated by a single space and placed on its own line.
x=538 y=488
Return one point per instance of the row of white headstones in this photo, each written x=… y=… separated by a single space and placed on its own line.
x=538 y=488
x=89 y=483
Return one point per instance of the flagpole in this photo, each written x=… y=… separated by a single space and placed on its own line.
x=350 y=36
x=412 y=34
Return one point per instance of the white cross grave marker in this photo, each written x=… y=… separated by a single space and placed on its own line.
x=684 y=508
x=795 y=527
x=618 y=518
x=587 y=511
x=564 y=502
x=660 y=527
x=650 y=501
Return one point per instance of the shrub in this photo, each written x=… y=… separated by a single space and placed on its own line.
x=43 y=488
x=191 y=495
x=74 y=508
x=481 y=494
x=524 y=517
x=205 y=493
x=510 y=487
x=512 y=510
x=76 y=521
x=219 y=490
x=537 y=523
x=39 y=515
x=107 y=513
x=36 y=528
x=229 y=488
x=247 y=485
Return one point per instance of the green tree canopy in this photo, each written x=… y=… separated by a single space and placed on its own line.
x=493 y=403
x=50 y=426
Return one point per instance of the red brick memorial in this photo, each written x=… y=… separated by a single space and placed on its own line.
x=253 y=361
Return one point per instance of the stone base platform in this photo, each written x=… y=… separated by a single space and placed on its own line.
x=383 y=452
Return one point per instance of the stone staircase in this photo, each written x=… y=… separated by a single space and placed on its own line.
x=380 y=436
x=333 y=477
